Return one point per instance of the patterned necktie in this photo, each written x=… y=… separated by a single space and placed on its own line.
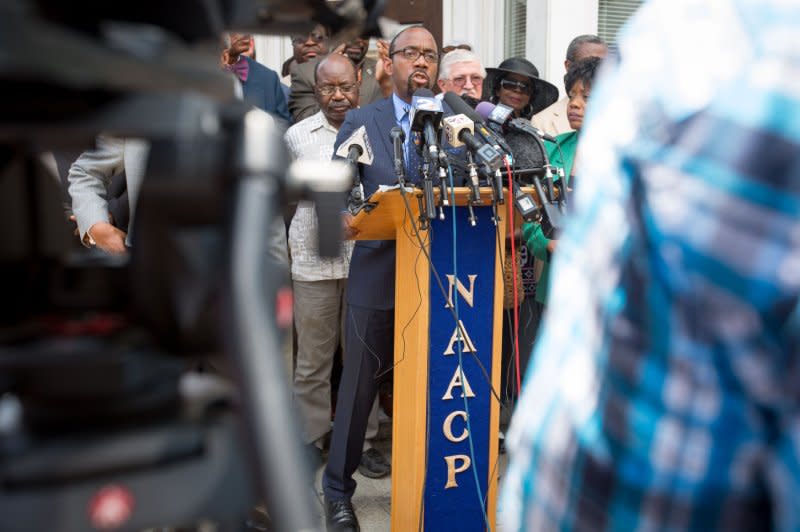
x=412 y=157
x=405 y=121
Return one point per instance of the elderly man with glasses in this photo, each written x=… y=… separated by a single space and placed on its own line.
x=461 y=72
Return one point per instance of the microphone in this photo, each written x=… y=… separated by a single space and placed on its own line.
x=530 y=156
x=356 y=149
x=501 y=116
x=459 y=106
x=426 y=118
x=524 y=126
x=458 y=130
x=496 y=115
x=398 y=138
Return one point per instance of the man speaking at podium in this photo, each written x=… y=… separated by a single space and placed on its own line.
x=412 y=63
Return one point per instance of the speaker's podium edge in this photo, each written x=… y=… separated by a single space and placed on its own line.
x=395 y=219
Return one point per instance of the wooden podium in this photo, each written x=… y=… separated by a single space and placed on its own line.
x=434 y=471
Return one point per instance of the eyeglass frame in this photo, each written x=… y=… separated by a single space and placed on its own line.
x=322 y=89
x=417 y=54
x=316 y=37
x=455 y=81
x=518 y=86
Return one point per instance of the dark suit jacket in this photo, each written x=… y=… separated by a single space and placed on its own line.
x=263 y=89
x=303 y=102
x=372 y=265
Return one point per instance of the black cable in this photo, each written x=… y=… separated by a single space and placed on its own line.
x=512 y=365
x=444 y=295
x=378 y=373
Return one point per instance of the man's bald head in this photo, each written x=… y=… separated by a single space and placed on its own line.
x=335 y=61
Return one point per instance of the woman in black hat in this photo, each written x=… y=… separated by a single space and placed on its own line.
x=516 y=83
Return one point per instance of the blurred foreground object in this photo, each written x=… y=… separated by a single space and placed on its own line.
x=664 y=389
x=94 y=349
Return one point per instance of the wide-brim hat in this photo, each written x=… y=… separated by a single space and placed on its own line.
x=544 y=93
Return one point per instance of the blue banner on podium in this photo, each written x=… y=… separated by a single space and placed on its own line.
x=451 y=498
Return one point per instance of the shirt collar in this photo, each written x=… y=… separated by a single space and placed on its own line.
x=318 y=121
x=399 y=107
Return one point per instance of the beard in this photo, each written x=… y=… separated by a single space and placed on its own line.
x=412 y=85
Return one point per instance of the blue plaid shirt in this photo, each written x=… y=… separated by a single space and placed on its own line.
x=664 y=392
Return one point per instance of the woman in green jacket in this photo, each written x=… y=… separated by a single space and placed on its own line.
x=578 y=82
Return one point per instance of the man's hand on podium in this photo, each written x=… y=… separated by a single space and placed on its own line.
x=348 y=231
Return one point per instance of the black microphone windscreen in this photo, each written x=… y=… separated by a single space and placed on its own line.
x=459 y=106
x=528 y=152
x=422 y=92
x=472 y=102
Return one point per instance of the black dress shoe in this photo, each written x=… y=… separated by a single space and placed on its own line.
x=373 y=464
x=340 y=516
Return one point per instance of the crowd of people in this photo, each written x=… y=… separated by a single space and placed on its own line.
x=662 y=393
x=344 y=307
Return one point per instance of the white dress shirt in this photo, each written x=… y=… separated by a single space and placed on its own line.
x=313 y=138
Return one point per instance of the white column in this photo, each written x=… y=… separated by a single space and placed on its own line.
x=273 y=50
x=552 y=24
x=478 y=22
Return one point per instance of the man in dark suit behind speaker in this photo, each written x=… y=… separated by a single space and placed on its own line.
x=412 y=63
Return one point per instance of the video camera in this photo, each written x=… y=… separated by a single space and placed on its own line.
x=101 y=424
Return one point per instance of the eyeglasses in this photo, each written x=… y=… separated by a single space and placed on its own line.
x=297 y=40
x=330 y=90
x=412 y=54
x=460 y=81
x=516 y=86
x=448 y=49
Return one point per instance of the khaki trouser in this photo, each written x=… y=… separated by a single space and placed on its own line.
x=319 y=317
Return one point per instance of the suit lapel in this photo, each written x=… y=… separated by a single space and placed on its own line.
x=384 y=122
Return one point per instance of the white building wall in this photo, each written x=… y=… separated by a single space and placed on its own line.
x=272 y=51
x=478 y=22
x=552 y=24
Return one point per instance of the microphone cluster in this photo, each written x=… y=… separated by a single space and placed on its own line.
x=484 y=133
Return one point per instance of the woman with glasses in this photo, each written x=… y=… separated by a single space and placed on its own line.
x=516 y=83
